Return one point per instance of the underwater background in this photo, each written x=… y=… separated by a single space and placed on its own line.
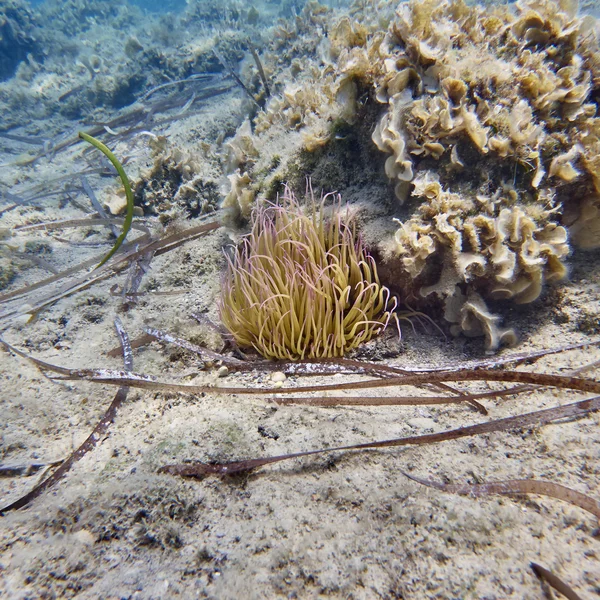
x=463 y=139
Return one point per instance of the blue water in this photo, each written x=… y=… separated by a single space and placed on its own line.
x=150 y=5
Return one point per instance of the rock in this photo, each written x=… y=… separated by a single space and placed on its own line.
x=278 y=377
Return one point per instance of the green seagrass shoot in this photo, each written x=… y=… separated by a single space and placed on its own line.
x=128 y=193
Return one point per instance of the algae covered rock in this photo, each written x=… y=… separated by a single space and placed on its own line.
x=510 y=92
x=17 y=37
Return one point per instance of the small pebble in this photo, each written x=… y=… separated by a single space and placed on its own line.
x=85 y=537
x=278 y=377
x=223 y=371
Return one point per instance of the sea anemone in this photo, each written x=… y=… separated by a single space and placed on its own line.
x=303 y=286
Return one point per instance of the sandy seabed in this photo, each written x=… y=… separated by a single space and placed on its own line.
x=345 y=525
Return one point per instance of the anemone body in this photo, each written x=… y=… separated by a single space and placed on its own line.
x=300 y=286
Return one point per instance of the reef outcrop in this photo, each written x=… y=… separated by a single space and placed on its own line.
x=488 y=117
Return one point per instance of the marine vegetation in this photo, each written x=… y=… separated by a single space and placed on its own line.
x=126 y=186
x=303 y=286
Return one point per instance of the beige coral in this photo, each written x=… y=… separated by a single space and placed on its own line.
x=240 y=149
x=239 y=200
x=505 y=252
x=469 y=80
x=511 y=85
x=513 y=249
x=311 y=106
x=389 y=137
x=470 y=316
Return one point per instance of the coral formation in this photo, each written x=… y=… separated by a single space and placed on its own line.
x=177 y=179
x=488 y=120
x=494 y=245
x=502 y=88
x=302 y=286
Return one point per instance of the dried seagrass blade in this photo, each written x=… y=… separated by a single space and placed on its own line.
x=504 y=359
x=552 y=580
x=203 y=353
x=112 y=377
x=54 y=278
x=138 y=342
x=99 y=431
x=329 y=366
x=113 y=267
x=517 y=486
x=325 y=367
x=391 y=400
x=465 y=397
x=98 y=206
x=137 y=119
x=7 y=471
x=145 y=382
x=306 y=367
x=259 y=67
x=533 y=419
x=197 y=77
x=71 y=223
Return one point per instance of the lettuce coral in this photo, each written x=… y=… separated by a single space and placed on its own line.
x=506 y=88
